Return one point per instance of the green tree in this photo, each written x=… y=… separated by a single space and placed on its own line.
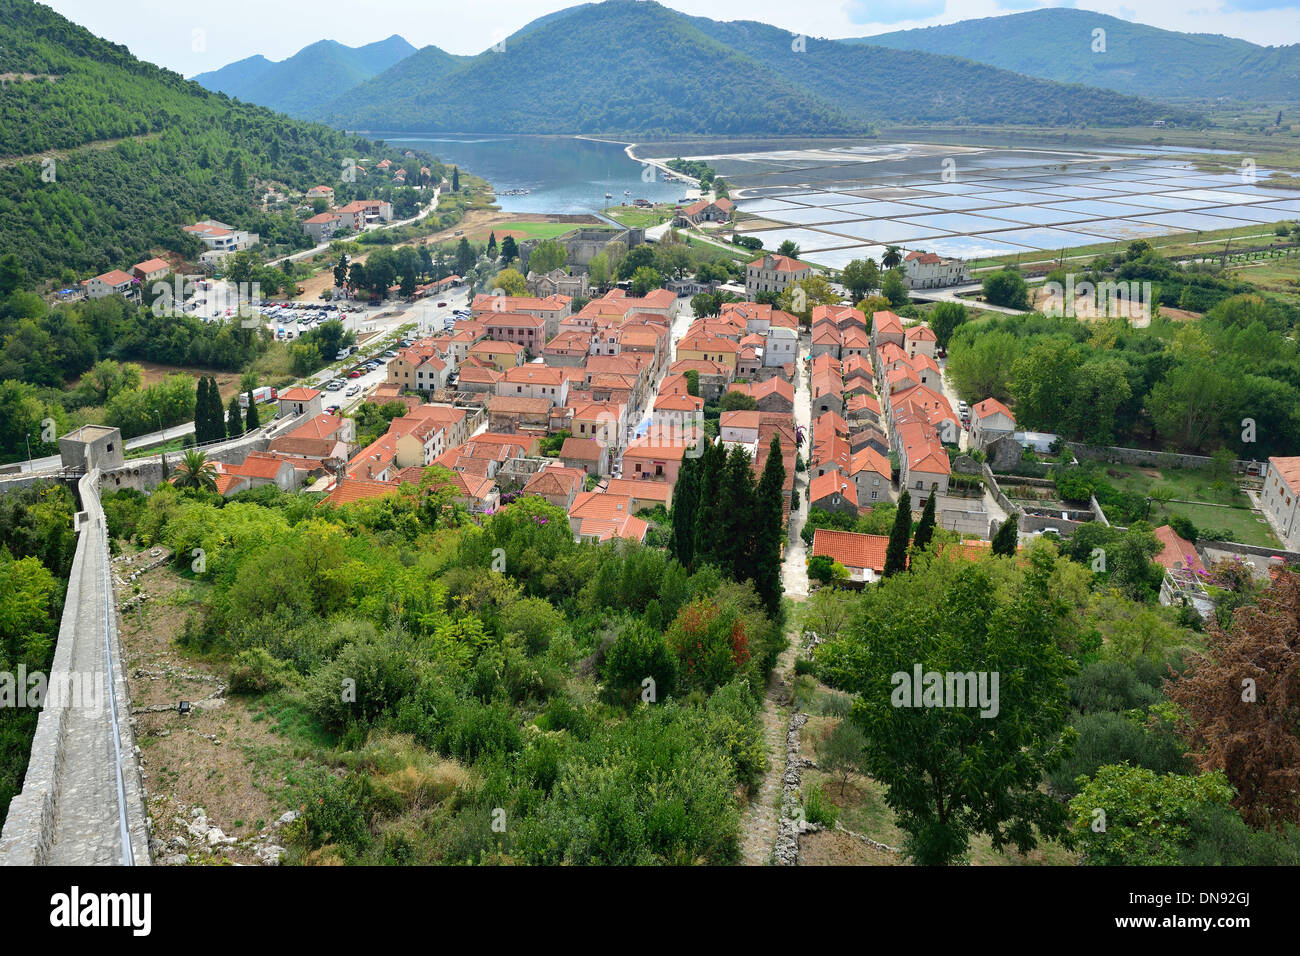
x=860 y=277
x=925 y=529
x=510 y=282
x=788 y=247
x=769 y=519
x=455 y=179
x=686 y=494
x=964 y=759
x=251 y=420
x=195 y=471
x=644 y=280
x=1007 y=288
x=893 y=289
x=944 y=320
x=1006 y=538
x=509 y=250
x=899 y=536
x=892 y=257
x=1146 y=815
x=547 y=256
x=843 y=751
x=234 y=422
x=492 y=245
x=466 y=257
x=341 y=271
x=598 y=270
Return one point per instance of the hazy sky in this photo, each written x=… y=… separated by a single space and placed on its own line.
x=192 y=37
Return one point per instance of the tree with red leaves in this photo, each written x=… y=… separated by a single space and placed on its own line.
x=1241 y=704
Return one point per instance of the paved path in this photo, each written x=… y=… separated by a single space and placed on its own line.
x=88 y=830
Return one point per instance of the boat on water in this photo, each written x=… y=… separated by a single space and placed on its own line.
x=609 y=195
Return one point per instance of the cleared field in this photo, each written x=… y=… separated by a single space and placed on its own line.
x=1216 y=511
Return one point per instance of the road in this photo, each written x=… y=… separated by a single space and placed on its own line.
x=324 y=246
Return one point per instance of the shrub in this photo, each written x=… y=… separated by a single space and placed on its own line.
x=255 y=671
x=818 y=809
x=637 y=654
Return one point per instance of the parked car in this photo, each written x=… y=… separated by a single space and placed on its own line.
x=442 y=305
x=351 y=390
x=355 y=373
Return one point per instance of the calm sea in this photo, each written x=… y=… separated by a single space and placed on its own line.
x=561 y=173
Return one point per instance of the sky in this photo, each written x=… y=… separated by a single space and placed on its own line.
x=193 y=38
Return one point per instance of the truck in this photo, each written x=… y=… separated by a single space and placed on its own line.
x=263 y=394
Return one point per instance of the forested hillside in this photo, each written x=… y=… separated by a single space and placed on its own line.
x=640 y=67
x=878 y=85
x=1132 y=58
x=607 y=67
x=70 y=209
x=312 y=76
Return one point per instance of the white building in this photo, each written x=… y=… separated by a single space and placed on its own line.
x=1280 y=499
x=925 y=270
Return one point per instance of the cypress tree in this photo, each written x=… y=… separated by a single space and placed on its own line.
x=737 y=522
x=925 y=530
x=686 y=499
x=896 y=552
x=769 y=511
x=204 y=429
x=216 y=413
x=234 y=424
x=1007 y=537
x=250 y=417
x=706 y=513
x=200 y=408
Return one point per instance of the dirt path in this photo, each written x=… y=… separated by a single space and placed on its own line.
x=758 y=825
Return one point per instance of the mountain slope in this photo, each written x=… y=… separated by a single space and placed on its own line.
x=313 y=75
x=611 y=67
x=1057 y=44
x=638 y=67
x=75 y=202
x=878 y=84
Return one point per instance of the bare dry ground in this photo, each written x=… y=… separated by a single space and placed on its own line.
x=228 y=756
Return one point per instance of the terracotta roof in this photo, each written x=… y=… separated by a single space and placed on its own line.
x=555 y=481
x=831 y=483
x=152 y=265
x=991 y=406
x=1176 y=550
x=920 y=333
x=1288 y=469
x=298 y=394
x=739 y=419
x=781 y=264
x=886 y=321
x=679 y=402
x=581 y=449
x=358 y=489
x=634 y=488
x=258 y=464
x=851 y=549
x=518 y=404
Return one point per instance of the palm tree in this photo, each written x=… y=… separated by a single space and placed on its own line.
x=195 y=471
x=892 y=257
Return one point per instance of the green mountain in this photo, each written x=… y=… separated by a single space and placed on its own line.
x=615 y=66
x=312 y=76
x=884 y=85
x=637 y=67
x=1057 y=44
x=104 y=157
